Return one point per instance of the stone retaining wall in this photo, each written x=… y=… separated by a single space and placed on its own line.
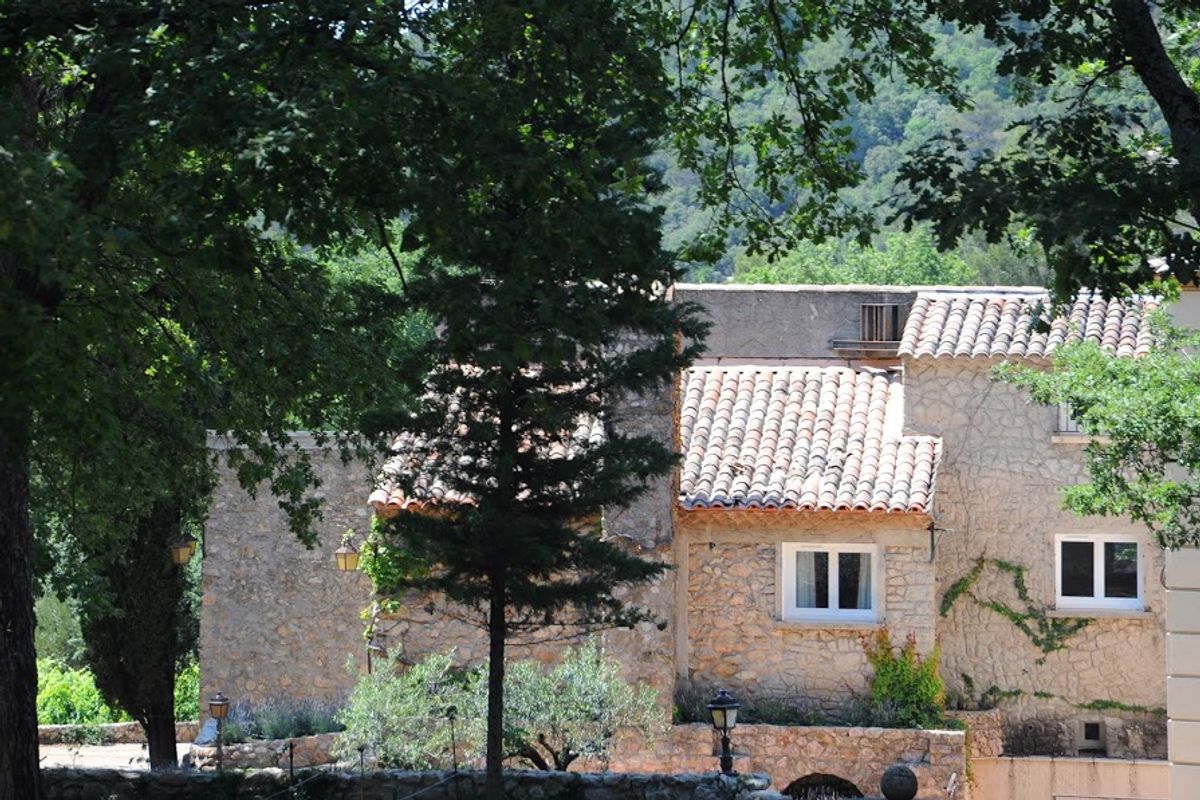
x=307 y=751
x=789 y=752
x=786 y=751
x=987 y=731
x=114 y=732
x=71 y=784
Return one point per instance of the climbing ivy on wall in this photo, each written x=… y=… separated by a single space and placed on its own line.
x=1048 y=634
x=993 y=696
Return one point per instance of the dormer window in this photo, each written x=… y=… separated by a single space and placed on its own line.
x=880 y=322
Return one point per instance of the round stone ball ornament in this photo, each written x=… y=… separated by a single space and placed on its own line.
x=898 y=783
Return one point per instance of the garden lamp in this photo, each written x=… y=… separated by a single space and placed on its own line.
x=347 y=557
x=218 y=709
x=183 y=548
x=723 y=709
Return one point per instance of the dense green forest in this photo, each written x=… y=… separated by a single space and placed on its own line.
x=886 y=131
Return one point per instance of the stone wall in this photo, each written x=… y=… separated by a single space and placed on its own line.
x=276 y=618
x=998 y=497
x=112 y=732
x=770 y=324
x=790 y=752
x=735 y=637
x=73 y=784
x=299 y=752
x=1183 y=669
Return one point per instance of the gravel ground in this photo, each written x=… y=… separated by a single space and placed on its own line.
x=111 y=756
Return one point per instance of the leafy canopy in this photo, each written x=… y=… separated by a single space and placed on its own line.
x=1144 y=462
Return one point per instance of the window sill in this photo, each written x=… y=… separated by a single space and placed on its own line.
x=1077 y=438
x=1101 y=613
x=830 y=624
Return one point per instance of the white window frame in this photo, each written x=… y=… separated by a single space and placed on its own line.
x=1098 y=601
x=1067 y=423
x=788 y=589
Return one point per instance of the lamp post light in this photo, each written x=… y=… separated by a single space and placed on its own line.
x=218 y=709
x=723 y=710
x=182 y=549
x=347 y=557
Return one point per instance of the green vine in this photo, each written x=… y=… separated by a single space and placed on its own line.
x=994 y=696
x=1048 y=634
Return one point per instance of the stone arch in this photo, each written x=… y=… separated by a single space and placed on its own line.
x=819 y=786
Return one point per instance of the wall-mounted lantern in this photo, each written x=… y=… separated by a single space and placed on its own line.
x=183 y=548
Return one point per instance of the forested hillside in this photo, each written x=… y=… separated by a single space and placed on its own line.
x=887 y=130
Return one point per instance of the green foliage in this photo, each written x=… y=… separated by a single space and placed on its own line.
x=1102 y=167
x=58 y=637
x=280 y=718
x=69 y=697
x=1116 y=705
x=573 y=710
x=1048 y=634
x=400 y=714
x=902 y=259
x=905 y=687
x=187 y=692
x=1144 y=463
x=553 y=715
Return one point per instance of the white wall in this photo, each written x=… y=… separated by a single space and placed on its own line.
x=1069 y=779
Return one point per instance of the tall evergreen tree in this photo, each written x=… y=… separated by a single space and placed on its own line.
x=545 y=279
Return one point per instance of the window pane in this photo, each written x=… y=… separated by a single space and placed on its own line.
x=1078 y=569
x=854 y=580
x=812 y=579
x=1120 y=569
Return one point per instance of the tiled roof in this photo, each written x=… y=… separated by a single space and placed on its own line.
x=808 y=438
x=412 y=480
x=946 y=323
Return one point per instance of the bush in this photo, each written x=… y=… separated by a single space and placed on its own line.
x=187 y=692
x=279 y=718
x=69 y=697
x=553 y=717
x=57 y=636
x=906 y=690
x=399 y=716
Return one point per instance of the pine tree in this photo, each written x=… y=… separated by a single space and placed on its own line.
x=544 y=275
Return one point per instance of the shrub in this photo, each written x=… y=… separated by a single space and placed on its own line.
x=554 y=716
x=399 y=716
x=187 y=692
x=70 y=697
x=57 y=636
x=906 y=689
x=279 y=718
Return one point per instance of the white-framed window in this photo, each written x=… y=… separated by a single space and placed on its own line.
x=1098 y=571
x=1066 y=423
x=831 y=582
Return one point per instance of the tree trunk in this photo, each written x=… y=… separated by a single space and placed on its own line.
x=1177 y=100
x=19 y=777
x=497 y=633
x=160 y=735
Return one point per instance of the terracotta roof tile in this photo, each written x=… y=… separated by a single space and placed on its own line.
x=947 y=323
x=809 y=438
x=412 y=480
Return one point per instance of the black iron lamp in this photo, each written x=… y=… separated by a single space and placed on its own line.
x=183 y=548
x=347 y=557
x=218 y=709
x=723 y=709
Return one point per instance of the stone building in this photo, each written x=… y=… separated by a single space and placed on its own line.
x=847 y=463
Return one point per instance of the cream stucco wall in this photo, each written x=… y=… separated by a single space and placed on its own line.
x=730 y=631
x=998 y=495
